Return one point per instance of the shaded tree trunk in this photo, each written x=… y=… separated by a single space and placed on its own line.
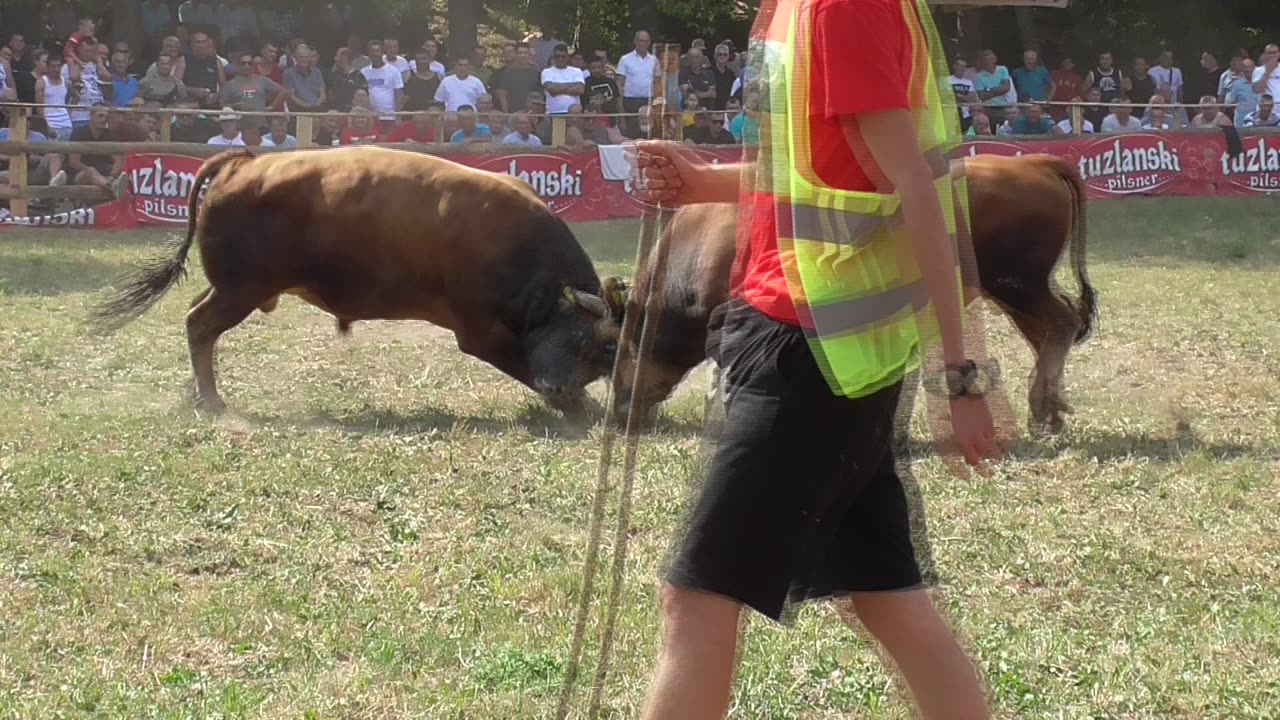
x=1027 y=34
x=23 y=16
x=126 y=24
x=971 y=35
x=463 y=16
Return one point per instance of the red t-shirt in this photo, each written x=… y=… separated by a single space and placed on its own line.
x=71 y=48
x=862 y=56
x=1070 y=86
x=410 y=132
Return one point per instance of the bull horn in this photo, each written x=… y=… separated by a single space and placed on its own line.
x=585 y=300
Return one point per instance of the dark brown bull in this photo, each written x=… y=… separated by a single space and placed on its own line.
x=1023 y=212
x=369 y=233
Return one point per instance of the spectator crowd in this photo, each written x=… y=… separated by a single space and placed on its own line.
x=227 y=63
x=996 y=101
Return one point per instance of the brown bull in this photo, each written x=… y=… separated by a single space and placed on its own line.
x=369 y=233
x=1023 y=213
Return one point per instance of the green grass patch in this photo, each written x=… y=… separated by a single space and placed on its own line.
x=384 y=527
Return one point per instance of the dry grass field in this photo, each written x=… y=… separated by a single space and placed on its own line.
x=385 y=528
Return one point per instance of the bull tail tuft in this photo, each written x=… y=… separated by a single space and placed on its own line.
x=150 y=281
x=1086 y=306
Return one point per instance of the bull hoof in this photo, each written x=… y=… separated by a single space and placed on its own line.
x=1052 y=425
x=570 y=404
x=648 y=417
x=211 y=406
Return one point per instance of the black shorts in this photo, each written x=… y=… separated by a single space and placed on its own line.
x=802 y=499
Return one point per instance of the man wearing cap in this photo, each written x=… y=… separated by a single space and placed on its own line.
x=848 y=277
x=229 y=123
x=536 y=109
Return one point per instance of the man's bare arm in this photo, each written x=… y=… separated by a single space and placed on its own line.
x=890 y=137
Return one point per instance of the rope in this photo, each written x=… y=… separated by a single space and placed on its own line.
x=651 y=239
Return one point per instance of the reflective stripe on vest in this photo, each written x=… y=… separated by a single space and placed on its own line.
x=853 y=275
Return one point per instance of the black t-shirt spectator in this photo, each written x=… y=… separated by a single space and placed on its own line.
x=519 y=82
x=1201 y=82
x=604 y=86
x=698 y=82
x=344 y=86
x=724 y=85
x=710 y=135
x=197 y=132
x=101 y=163
x=1143 y=88
x=420 y=92
x=201 y=72
x=1095 y=114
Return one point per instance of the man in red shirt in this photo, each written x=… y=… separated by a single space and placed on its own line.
x=1067 y=86
x=802 y=500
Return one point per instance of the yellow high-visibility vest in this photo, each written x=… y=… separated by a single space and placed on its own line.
x=850 y=268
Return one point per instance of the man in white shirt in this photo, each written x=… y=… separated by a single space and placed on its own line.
x=1121 y=119
x=563 y=84
x=391 y=47
x=523 y=134
x=386 y=86
x=1266 y=77
x=1167 y=76
x=229 y=122
x=964 y=89
x=1265 y=115
x=1064 y=127
x=460 y=88
x=636 y=71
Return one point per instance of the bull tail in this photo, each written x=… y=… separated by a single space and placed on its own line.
x=1086 y=306
x=150 y=281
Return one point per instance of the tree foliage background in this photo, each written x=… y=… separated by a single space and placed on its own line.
x=1127 y=27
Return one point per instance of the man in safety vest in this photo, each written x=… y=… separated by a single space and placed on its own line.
x=847 y=272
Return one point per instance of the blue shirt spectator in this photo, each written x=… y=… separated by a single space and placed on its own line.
x=32 y=136
x=482 y=130
x=1032 y=80
x=123 y=89
x=1033 y=122
x=1240 y=93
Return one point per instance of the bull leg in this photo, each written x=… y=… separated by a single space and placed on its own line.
x=1050 y=326
x=1034 y=329
x=1062 y=323
x=215 y=314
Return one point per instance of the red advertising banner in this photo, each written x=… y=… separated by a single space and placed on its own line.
x=594 y=185
x=161 y=184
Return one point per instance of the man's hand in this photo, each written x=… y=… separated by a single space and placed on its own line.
x=973 y=428
x=668 y=172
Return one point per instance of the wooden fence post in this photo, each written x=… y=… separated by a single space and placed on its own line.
x=1077 y=120
x=306 y=136
x=166 y=127
x=558 y=130
x=18 y=163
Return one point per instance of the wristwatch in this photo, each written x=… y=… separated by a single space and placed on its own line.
x=966 y=379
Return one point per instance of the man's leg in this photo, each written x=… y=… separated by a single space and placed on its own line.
x=699 y=645
x=941 y=677
x=91 y=176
